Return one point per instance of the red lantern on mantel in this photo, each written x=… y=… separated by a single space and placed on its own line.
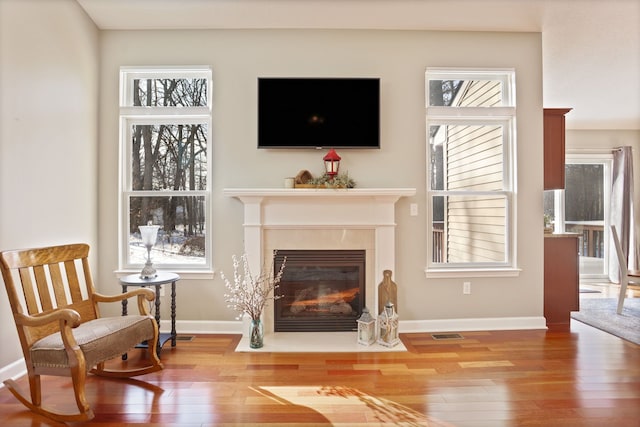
x=331 y=163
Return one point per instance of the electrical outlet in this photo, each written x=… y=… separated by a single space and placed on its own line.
x=161 y=291
x=466 y=288
x=413 y=209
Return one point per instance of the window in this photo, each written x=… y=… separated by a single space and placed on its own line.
x=583 y=208
x=471 y=140
x=165 y=124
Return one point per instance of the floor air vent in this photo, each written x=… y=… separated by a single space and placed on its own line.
x=185 y=338
x=447 y=337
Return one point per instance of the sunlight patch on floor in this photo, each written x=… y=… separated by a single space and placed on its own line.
x=340 y=404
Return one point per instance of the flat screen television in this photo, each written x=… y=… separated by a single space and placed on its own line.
x=318 y=112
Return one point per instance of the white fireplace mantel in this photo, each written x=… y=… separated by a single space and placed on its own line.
x=318 y=208
x=359 y=207
x=273 y=209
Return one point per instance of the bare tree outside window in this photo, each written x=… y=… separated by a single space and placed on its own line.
x=168 y=168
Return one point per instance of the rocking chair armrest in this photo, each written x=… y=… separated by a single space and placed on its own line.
x=141 y=293
x=146 y=293
x=67 y=315
x=67 y=319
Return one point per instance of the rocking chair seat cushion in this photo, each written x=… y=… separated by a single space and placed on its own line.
x=100 y=340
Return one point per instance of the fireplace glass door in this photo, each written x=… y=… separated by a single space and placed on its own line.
x=322 y=290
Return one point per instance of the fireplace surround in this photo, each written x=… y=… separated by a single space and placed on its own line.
x=315 y=219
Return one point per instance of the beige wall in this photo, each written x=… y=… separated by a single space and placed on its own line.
x=399 y=58
x=48 y=127
x=50 y=107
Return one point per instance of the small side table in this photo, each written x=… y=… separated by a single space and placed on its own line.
x=162 y=278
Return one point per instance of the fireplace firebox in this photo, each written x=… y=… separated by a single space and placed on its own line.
x=322 y=290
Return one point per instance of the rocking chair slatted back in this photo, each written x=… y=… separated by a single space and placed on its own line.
x=42 y=276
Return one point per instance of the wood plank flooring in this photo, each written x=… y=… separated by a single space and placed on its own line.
x=571 y=375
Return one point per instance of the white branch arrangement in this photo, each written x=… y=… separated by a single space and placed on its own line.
x=248 y=294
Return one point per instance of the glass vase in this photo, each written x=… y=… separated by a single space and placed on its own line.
x=256 y=334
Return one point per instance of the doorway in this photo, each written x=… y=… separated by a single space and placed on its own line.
x=583 y=208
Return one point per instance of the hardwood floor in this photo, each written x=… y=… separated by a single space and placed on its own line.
x=571 y=375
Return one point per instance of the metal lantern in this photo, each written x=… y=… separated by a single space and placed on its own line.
x=331 y=163
x=366 y=328
x=388 y=326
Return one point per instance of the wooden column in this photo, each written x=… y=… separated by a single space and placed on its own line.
x=561 y=277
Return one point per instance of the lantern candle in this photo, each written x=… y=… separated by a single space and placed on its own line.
x=331 y=163
x=366 y=328
x=388 y=326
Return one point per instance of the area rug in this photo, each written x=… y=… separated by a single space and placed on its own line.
x=601 y=313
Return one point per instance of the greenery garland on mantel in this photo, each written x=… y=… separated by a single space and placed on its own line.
x=325 y=181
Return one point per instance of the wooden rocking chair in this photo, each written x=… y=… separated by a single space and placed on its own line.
x=61 y=332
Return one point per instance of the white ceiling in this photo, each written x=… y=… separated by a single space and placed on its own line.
x=591 y=48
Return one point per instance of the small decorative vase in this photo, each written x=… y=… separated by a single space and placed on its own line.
x=256 y=334
x=387 y=292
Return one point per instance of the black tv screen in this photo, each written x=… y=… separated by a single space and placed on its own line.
x=318 y=112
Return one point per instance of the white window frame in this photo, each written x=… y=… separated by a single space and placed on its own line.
x=605 y=158
x=505 y=116
x=142 y=115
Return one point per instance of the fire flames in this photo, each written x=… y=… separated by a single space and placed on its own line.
x=324 y=302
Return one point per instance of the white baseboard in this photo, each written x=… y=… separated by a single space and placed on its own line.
x=203 y=326
x=13 y=371
x=481 y=324
x=445 y=325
